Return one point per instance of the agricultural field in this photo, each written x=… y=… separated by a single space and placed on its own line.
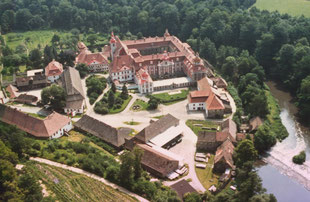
x=65 y=185
x=292 y=7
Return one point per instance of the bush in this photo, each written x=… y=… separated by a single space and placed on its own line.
x=300 y=158
x=36 y=146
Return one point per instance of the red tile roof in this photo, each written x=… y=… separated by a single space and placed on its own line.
x=34 y=126
x=12 y=90
x=214 y=103
x=54 y=68
x=89 y=58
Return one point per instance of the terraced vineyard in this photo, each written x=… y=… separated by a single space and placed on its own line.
x=68 y=186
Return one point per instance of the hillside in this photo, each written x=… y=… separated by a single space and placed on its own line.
x=68 y=186
x=292 y=7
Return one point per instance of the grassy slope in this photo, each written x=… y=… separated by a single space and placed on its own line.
x=43 y=38
x=73 y=186
x=292 y=7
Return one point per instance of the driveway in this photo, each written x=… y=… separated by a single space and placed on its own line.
x=187 y=149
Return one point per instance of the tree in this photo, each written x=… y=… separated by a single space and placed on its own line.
x=111 y=99
x=126 y=173
x=54 y=96
x=113 y=87
x=83 y=69
x=192 y=197
x=153 y=103
x=264 y=138
x=35 y=57
x=92 y=39
x=55 y=39
x=124 y=93
x=304 y=100
x=138 y=153
x=245 y=151
x=300 y=158
x=7 y=21
x=31 y=188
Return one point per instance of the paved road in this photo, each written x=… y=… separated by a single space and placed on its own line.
x=187 y=149
x=80 y=171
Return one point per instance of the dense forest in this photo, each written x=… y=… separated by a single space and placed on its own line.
x=234 y=38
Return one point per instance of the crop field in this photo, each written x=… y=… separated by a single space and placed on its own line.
x=69 y=186
x=292 y=7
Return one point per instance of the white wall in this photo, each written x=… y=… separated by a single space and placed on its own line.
x=53 y=78
x=61 y=131
x=194 y=106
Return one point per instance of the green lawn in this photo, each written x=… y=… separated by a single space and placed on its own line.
x=206 y=176
x=36 y=115
x=142 y=105
x=292 y=7
x=167 y=99
x=158 y=117
x=204 y=125
x=65 y=185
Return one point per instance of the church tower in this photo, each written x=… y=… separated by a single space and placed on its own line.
x=112 y=45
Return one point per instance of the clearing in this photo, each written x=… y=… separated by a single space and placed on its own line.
x=202 y=125
x=292 y=7
x=206 y=176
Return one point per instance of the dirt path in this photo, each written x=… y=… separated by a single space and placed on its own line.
x=93 y=176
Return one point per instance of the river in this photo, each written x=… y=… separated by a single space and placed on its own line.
x=287 y=181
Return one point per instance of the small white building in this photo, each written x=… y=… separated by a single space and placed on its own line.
x=53 y=71
x=125 y=74
x=144 y=81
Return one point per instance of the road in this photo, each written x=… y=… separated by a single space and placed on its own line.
x=88 y=174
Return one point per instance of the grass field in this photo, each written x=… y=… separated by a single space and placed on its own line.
x=206 y=176
x=69 y=186
x=142 y=105
x=42 y=37
x=201 y=125
x=292 y=7
x=168 y=99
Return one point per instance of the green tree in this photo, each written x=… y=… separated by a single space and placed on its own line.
x=31 y=188
x=113 y=87
x=83 y=69
x=138 y=153
x=54 y=96
x=153 y=103
x=111 y=99
x=92 y=39
x=55 y=39
x=264 y=138
x=124 y=93
x=126 y=173
x=245 y=151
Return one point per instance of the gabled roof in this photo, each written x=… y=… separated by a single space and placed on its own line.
x=182 y=187
x=34 y=126
x=103 y=131
x=12 y=90
x=214 y=103
x=157 y=127
x=225 y=153
x=89 y=58
x=157 y=161
x=54 y=68
x=71 y=81
x=229 y=126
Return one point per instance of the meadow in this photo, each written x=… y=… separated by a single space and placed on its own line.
x=291 y=7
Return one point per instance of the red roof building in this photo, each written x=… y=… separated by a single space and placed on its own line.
x=53 y=70
x=53 y=126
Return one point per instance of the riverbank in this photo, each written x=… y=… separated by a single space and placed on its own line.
x=286 y=180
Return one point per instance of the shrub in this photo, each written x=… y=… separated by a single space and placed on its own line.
x=300 y=158
x=36 y=146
